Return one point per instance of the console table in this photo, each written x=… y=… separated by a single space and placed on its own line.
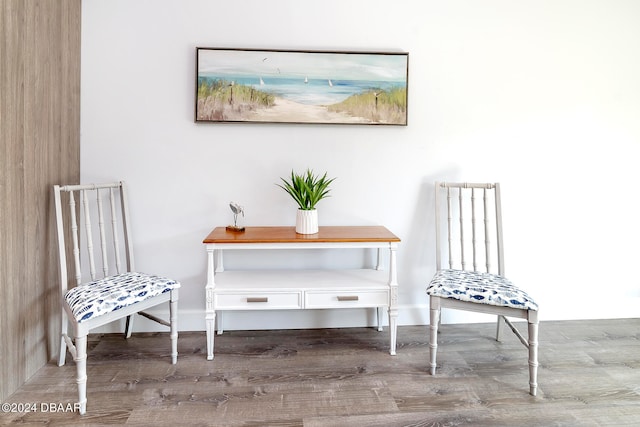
x=300 y=289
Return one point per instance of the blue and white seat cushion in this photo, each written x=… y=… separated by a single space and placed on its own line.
x=483 y=288
x=112 y=293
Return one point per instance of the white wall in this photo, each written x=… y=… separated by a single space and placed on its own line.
x=543 y=96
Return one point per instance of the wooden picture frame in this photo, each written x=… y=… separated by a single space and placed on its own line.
x=295 y=86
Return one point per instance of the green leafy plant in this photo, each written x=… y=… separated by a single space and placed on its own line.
x=307 y=189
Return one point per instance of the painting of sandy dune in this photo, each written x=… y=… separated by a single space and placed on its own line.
x=276 y=86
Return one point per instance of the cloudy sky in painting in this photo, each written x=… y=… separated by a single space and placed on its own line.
x=339 y=66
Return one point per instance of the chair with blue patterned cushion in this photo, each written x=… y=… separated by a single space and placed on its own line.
x=116 y=291
x=470 y=225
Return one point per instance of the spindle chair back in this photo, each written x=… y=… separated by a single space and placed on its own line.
x=100 y=283
x=470 y=266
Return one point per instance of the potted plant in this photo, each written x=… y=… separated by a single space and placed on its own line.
x=307 y=189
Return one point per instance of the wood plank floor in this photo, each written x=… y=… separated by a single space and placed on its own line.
x=589 y=376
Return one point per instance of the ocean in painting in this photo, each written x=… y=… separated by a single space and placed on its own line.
x=310 y=91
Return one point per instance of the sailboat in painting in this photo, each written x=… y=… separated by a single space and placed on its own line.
x=261 y=81
x=330 y=84
x=306 y=80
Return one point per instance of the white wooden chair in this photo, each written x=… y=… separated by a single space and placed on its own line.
x=473 y=218
x=103 y=295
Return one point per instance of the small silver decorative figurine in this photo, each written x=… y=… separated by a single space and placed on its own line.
x=237 y=210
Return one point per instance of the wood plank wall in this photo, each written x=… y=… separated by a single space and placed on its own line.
x=40 y=146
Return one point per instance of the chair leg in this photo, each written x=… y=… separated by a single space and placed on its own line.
x=533 y=352
x=62 y=354
x=499 y=327
x=434 y=320
x=173 y=319
x=81 y=371
x=128 y=327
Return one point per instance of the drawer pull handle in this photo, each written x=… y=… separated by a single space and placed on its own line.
x=259 y=299
x=347 y=297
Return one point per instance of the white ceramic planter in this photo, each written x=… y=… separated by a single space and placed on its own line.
x=307 y=221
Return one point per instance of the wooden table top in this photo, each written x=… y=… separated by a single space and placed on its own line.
x=326 y=234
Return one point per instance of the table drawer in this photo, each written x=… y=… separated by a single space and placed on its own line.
x=346 y=298
x=257 y=300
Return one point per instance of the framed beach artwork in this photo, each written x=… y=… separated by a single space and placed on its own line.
x=291 y=86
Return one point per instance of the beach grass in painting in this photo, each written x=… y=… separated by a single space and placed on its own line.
x=221 y=100
x=245 y=85
x=377 y=106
